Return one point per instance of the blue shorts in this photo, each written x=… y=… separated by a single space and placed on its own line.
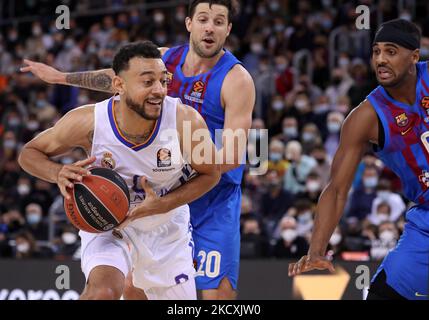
x=215 y=218
x=407 y=266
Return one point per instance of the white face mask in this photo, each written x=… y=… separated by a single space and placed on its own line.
x=383 y=195
x=334 y=127
x=387 y=236
x=278 y=105
x=382 y=217
x=289 y=235
x=290 y=132
x=305 y=217
x=335 y=239
x=69 y=237
x=301 y=104
x=313 y=186
x=23 y=247
x=23 y=189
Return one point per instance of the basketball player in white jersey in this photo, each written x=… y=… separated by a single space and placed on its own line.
x=139 y=135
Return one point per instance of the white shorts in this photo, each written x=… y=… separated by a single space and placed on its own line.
x=160 y=255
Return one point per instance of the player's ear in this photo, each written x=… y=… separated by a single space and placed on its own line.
x=229 y=29
x=188 y=22
x=416 y=56
x=118 y=85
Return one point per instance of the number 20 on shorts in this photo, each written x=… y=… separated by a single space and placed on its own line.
x=209 y=264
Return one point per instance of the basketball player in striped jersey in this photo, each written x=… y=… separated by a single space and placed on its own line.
x=139 y=134
x=212 y=80
x=395 y=119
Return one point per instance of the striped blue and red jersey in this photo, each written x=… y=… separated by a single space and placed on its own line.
x=406 y=136
x=203 y=92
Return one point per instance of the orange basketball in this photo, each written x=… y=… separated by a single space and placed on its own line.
x=99 y=203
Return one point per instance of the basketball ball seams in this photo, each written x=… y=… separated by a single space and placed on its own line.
x=126 y=194
x=99 y=216
x=113 y=175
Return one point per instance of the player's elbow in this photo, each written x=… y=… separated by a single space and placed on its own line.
x=22 y=156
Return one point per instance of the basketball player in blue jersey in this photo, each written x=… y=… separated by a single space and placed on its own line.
x=213 y=81
x=139 y=129
x=395 y=118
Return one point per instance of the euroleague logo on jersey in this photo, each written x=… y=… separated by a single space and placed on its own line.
x=198 y=87
x=108 y=161
x=197 y=93
x=163 y=157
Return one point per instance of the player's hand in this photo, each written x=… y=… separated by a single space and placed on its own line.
x=308 y=263
x=151 y=205
x=43 y=71
x=71 y=173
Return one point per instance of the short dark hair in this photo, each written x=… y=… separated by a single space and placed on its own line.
x=405 y=26
x=229 y=4
x=145 y=49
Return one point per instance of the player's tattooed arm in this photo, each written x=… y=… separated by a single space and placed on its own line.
x=100 y=80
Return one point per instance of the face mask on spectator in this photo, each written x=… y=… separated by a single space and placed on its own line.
x=180 y=16
x=37 y=31
x=313 y=186
x=256 y=47
x=334 y=127
x=308 y=136
x=9 y=144
x=370 y=182
x=82 y=99
x=23 y=247
x=275 y=156
x=279 y=27
x=382 y=217
x=33 y=218
x=262 y=12
x=274 y=5
x=343 y=62
x=305 y=217
x=23 y=189
x=69 y=237
x=278 y=105
x=383 y=195
x=301 y=104
x=14 y=122
x=158 y=18
x=335 y=239
x=40 y=103
x=290 y=132
x=387 y=236
x=289 y=235
x=326 y=23
x=321 y=108
x=281 y=67
x=32 y=125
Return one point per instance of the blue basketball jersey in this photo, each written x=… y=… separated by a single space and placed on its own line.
x=406 y=142
x=203 y=92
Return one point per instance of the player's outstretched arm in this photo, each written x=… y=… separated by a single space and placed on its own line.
x=75 y=129
x=358 y=129
x=99 y=80
x=238 y=95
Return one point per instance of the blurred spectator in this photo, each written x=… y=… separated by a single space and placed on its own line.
x=290 y=130
x=313 y=188
x=290 y=245
x=356 y=237
x=35 y=221
x=299 y=168
x=334 y=121
x=276 y=160
x=254 y=243
x=310 y=137
x=335 y=245
x=323 y=166
x=68 y=244
x=304 y=217
x=361 y=199
x=26 y=247
x=392 y=200
x=386 y=240
x=275 y=201
x=14 y=220
x=5 y=248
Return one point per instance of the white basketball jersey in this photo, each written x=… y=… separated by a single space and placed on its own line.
x=159 y=159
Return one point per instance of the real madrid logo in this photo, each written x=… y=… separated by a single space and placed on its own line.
x=108 y=161
x=163 y=158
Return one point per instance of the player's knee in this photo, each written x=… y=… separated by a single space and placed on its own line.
x=101 y=293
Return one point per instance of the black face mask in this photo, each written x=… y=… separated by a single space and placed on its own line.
x=336 y=81
x=320 y=160
x=14 y=225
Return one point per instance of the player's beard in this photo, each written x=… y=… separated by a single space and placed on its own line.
x=196 y=45
x=139 y=108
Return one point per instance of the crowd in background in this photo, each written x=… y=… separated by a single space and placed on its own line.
x=302 y=111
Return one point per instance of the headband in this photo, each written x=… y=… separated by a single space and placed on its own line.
x=397 y=36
